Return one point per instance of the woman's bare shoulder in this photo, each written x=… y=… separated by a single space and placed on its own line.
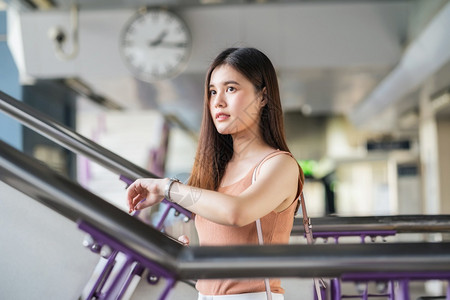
x=280 y=163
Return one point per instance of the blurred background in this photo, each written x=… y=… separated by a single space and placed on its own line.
x=365 y=88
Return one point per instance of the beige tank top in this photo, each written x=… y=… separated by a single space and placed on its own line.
x=276 y=228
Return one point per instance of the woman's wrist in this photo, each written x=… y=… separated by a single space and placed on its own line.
x=169 y=187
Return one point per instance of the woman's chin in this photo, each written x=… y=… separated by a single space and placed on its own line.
x=223 y=130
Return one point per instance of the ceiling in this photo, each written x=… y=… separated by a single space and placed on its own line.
x=331 y=56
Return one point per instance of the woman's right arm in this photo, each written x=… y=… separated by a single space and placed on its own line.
x=276 y=183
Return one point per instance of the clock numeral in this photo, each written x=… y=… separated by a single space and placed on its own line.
x=140 y=20
x=180 y=57
x=140 y=69
x=131 y=30
x=154 y=16
x=127 y=43
x=155 y=71
x=169 y=67
x=169 y=19
x=130 y=58
x=180 y=29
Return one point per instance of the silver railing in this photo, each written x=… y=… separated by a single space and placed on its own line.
x=397 y=223
x=70 y=139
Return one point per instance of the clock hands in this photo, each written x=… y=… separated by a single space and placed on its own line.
x=159 y=39
x=173 y=44
x=159 y=42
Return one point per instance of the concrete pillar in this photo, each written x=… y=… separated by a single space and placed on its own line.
x=443 y=147
x=428 y=136
x=434 y=134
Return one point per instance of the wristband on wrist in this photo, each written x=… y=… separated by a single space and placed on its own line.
x=168 y=187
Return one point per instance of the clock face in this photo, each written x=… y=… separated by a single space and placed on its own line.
x=155 y=44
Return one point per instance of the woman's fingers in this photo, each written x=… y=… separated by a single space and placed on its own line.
x=184 y=239
x=134 y=194
x=143 y=189
x=135 y=201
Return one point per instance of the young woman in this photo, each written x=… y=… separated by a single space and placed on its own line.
x=243 y=169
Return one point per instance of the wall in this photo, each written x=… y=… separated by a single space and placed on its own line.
x=41 y=255
x=443 y=129
x=10 y=130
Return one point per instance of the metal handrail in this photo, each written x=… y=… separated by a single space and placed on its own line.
x=76 y=203
x=397 y=223
x=70 y=139
x=318 y=260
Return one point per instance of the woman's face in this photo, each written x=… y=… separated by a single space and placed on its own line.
x=234 y=103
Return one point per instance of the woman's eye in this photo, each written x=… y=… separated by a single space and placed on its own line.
x=212 y=92
x=230 y=89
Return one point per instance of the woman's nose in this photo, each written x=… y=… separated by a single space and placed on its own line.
x=219 y=100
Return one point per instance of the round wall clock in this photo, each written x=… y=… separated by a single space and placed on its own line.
x=155 y=44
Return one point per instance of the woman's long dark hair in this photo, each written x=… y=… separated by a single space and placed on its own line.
x=215 y=150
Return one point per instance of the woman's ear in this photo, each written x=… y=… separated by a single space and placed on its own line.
x=264 y=97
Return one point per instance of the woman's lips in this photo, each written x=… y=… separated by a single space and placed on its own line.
x=221 y=117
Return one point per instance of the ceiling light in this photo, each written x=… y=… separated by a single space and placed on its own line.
x=440 y=99
x=43 y=4
x=409 y=119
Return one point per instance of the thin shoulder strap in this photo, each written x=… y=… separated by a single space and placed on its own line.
x=270 y=155
x=306 y=220
x=306 y=224
x=261 y=242
x=258 y=222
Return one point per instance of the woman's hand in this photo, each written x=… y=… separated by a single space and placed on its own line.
x=152 y=190
x=184 y=239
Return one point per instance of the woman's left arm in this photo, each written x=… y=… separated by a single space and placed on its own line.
x=277 y=182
